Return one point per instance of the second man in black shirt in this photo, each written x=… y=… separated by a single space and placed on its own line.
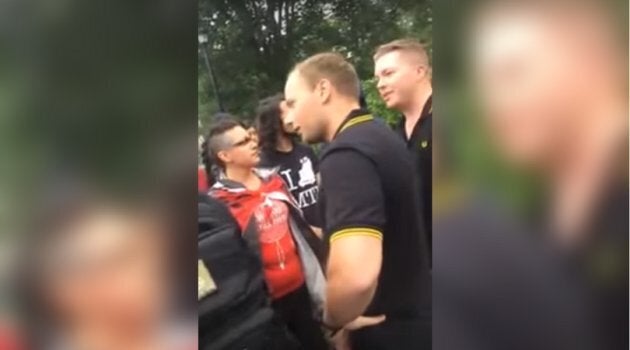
x=403 y=76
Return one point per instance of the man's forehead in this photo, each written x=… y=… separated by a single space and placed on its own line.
x=394 y=59
x=102 y=231
x=293 y=81
x=511 y=39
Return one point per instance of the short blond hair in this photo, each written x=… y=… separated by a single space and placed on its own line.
x=333 y=67
x=409 y=45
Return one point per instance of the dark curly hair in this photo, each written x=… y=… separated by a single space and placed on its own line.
x=268 y=122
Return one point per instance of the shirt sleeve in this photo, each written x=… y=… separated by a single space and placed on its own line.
x=354 y=196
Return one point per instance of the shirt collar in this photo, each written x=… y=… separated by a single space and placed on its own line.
x=428 y=107
x=427 y=110
x=356 y=116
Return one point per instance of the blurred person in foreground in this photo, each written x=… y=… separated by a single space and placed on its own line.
x=10 y=338
x=377 y=259
x=296 y=162
x=551 y=78
x=273 y=227
x=403 y=79
x=98 y=277
x=10 y=332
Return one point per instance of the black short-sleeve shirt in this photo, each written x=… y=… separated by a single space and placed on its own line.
x=299 y=169
x=368 y=187
x=419 y=145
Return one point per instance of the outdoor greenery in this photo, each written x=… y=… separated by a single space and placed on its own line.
x=252 y=44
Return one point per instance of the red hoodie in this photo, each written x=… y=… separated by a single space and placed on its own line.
x=281 y=263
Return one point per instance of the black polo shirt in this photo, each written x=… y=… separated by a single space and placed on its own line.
x=368 y=187
x=420 y=147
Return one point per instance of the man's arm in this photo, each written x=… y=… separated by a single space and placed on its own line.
x=353 y=268
x=355 y=217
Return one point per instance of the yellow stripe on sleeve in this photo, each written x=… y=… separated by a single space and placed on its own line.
x=356 y=231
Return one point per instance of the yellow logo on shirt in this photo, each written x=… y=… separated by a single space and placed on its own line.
x=424 y=144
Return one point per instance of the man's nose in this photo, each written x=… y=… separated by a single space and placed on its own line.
x=380 y=84
x=289 y=118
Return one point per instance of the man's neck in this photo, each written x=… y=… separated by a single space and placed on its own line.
x=338 y=114
x=284 y=144
x=413 y=110
x=244 y=176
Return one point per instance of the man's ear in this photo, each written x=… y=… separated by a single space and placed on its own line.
x=422 y=71
x=323 y=89
x=224 y=156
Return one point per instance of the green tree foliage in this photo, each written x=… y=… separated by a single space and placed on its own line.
x=252 y=44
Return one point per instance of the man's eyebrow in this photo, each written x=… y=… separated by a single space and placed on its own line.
x=382 y=71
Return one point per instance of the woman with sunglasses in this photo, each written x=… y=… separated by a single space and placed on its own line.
x=273 y=227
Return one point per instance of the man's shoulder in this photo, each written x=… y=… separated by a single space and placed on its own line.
x=339 y=148
x=366 y=138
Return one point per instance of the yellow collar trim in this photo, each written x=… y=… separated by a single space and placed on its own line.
x=356 y=120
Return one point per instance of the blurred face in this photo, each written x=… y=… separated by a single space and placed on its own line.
x=287 y=125
x=304 y=109
x=529 y=83
x=107 y=269
x=398 y=78
x=243 y=150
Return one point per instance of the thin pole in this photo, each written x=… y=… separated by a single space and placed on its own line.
x=213 y=80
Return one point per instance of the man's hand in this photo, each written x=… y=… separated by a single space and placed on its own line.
x=364 y=321
x=341 y=340
x=317 y=231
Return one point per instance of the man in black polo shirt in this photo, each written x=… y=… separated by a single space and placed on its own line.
x=377 y=259
x=403 y=76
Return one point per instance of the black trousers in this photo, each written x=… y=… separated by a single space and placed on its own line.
x=394 y=334
x=296 y=312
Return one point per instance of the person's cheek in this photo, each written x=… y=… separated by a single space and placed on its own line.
x=299 y=115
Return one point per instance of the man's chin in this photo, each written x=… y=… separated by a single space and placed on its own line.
x=311 y=140
x=392 y=104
